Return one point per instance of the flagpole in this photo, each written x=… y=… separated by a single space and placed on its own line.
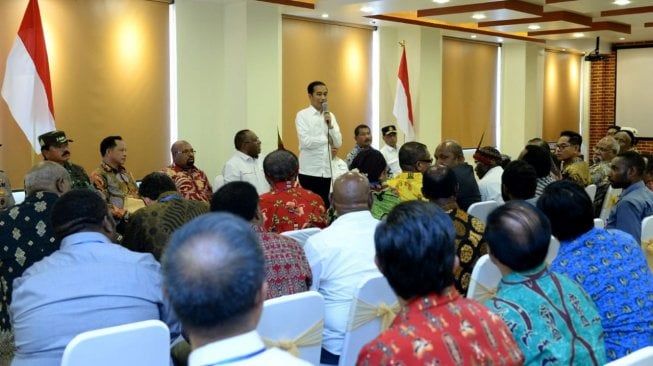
x=402 y=43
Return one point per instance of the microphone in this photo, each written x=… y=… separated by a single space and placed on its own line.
x=325 y=112
x=325 y=107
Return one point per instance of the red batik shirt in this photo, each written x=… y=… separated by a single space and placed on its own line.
x=443 y=329
x=289 y=207
x=191 y=183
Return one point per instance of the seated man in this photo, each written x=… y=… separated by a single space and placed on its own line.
x=286 y=268
x=488 y=169
x=150 y=227
x=436 y=326
x=440 y=187
x=572 y=166
x=191 y=181
x=450 y=153
x=550 y=316
x=363 y=136
x=414 y=159
x=345 y=253
x=636 y=201
x=214 y=276
x=540 y=160
x=244 y=165
x=54 y=147
x=608 y=264
x=288 y=206
x=89 y=283
x=519 y=182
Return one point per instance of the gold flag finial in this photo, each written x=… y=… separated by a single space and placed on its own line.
x=402 y=43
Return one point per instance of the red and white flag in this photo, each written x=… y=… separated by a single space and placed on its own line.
x=403 y=109
x=26 y=86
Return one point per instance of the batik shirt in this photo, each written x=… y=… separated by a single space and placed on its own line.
x=115 y=185
x=470 y=245
x=6 y=197
x=192 y=183
x=408 y=185
x=26 y=237
x=550 y=316
x=444 y=329
x=610 y=266
x=385 y=198
x=287 y=270
x=289 y=207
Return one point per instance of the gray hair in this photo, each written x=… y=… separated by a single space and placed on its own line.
x=44 y=177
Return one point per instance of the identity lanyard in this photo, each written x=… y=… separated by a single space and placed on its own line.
x=237 y=358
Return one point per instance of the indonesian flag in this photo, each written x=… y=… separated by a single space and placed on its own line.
x=403 y=109
x=26 y=86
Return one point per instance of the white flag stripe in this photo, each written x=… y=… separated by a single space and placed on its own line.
x=400 y=112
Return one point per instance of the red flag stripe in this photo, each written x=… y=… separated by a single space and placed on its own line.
x=403 y=77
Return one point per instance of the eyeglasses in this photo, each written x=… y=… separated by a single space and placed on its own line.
x=562 y=146
x=186 y=152
x=430 y=161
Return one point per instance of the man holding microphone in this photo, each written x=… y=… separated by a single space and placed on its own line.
x=315 y=125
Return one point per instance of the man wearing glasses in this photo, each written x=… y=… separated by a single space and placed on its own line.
x=572 y=165
x=414 y=159
x=191 y=181
x=244 y=165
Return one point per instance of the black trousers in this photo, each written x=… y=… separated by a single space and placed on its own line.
x=318 y=185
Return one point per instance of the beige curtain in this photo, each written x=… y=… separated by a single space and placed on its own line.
x=469 y=97
x=562 y=82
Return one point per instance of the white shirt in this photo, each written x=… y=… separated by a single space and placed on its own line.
x=245 y=349
x=490 y=185
x=391 y=156
x=345 y=250
x=338 y=167
x=242 y=167
x=314 y=151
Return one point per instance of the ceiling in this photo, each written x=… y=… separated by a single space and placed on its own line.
x=559 y=23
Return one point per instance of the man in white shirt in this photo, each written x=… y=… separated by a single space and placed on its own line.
x=390 y=150
x=489 y=171
x=214 y=273
x=338 y=166
x=345 y=252
x=244 y=165
x=314 y=125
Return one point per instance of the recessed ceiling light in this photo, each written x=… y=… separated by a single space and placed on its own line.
x=622 y=38
x=579 y=35
x=479 y=16
x=621 y=2
x=499 y=39
x=440 y=1
x=367 y=9
x=325 y=15
x=534 y=27
x=473 y=36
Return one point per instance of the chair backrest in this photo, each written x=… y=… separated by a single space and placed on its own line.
x=554 y=246
x=610 y=200
x=591 y=191
x=294 y=321
x=481 y=210
x=647 y=228
x=484 y=280
x=372 y=294
x=218 y=182
x=641 y=357
x=599 y=223
x=19 y=196
x=301 y=235
x=145 y=343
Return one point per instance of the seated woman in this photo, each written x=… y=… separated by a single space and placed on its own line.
x=372 y=163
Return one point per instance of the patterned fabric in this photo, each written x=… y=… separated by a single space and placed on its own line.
x=353 y=154
x=444 y=329
x=550 y=316
x=470 y=245
x=578 y=172
x=634 y=204
x=408 y=185
x=289 y=207
x=599 y=172
x=611 y=268
x=286 y=268
x=26 y=236
x=192 y=183
x=78 y=176
x=149 y=228
x=6 y=197
x=115 y=185
x=542 y=182
x=384 y=199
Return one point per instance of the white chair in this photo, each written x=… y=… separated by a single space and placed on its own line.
x=591 y=191
x=599 y=223
x=554 y=246
x=481 y=210
x=375 y=306
x=301 y=235
x=19 y=196
x=218 y=182
x=610 y=200
x=647 y=240
x=485 y=278
x=641 y=357
x=145 y=343
x=294 y=323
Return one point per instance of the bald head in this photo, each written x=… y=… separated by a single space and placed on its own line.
x=449 y=153
x=351 y=193
x=183 y=154
x=47 y=176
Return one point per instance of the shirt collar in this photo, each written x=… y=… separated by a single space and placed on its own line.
x=523 y=276
x=633 y=187
x=224 y=349
x=84 y=237
x=448 y=295
x=109 y=168
x=244 y=156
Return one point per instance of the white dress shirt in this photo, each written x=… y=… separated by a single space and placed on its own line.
x=244 y=350
x=242 y=167
x=490 y=185
x=345 y=250
x=391 y=156
x=338 y=167
x=314 y=151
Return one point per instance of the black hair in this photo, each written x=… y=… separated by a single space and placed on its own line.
x=77 y=210
x=360 y=127
x=280 y=165
x=439 y=181
x=410 y=153
x=371 y=163
x=574 y=137
x=633 y=159
x=239 y=138
x=520 y=179
x=239 y=198
x=154 y=184
x=569 y=209
x=539 y=159
x=312 y=85
x=107 y=143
